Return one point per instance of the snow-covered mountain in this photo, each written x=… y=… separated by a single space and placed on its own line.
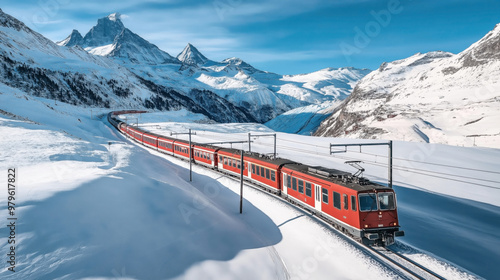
x=39 y=67
x=435 y=97
x=264 y=95
x=111 y=38
x=192 y=56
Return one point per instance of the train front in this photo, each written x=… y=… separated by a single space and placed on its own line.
x=379 y=217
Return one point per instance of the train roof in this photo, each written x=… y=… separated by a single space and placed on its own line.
x=268 y=159
x=336 y=176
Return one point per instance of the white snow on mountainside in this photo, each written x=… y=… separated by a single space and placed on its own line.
x=435 y=97
x=264 y=95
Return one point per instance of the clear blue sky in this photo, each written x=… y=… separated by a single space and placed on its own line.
x=282 y=36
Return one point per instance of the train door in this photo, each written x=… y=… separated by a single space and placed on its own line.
x=251 y=169
x=284 y=189
x=317 y=197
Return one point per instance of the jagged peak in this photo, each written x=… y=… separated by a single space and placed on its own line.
x=75 y=38
x=192 y=56
x=113 y=19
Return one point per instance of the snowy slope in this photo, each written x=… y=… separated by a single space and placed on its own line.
x=127 y=209
x=447 y=195
x=435 y=97
x=303 y=120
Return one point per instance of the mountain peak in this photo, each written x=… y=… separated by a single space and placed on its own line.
x=484 y=50
x=115 y=17
x=105 y=32
x=190 y=55
x=75 y=38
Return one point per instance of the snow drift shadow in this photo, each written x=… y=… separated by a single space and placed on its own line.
x=462 y=231
x=134 y=222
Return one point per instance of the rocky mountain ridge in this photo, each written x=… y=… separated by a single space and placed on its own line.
x=436 y=97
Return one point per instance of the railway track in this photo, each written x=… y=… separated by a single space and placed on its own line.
x=401 y=265
x=406 y=267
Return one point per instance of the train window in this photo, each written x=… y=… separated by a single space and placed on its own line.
x=386 y=201
x=262 y=171
x=294 y=184
x=238 y=165
x=367 y=202
x=225 y=161
x=234 y=163
x=288 y=181
x=301 y=186
x=325 y=195
x=258 y=170
x=253 y=169
x=353 y=203
x=346 y=202
x=268 y=175
x=308 y=189
x=336 y=200
x=273 y=176
x=220 y=159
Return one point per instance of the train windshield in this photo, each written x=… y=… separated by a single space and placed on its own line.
x=386 y=201
x=368 y=202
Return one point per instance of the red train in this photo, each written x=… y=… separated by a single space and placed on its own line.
x=356 y=206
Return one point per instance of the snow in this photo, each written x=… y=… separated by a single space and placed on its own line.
x=134 y=212
x=92 y=205
x=435 y=97
x=303 y=120
x=101 y=51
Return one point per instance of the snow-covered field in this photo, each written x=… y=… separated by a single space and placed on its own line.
x=88 y=209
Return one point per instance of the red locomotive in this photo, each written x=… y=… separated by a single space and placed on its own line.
x=358 y=207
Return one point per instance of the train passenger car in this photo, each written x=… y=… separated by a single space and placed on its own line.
x=150 y=140
x=265 y=171
x=363 y=209
x=205 y=155
x=230 y=161
x=135 y=133
x=166 y=145
x=181 y=148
